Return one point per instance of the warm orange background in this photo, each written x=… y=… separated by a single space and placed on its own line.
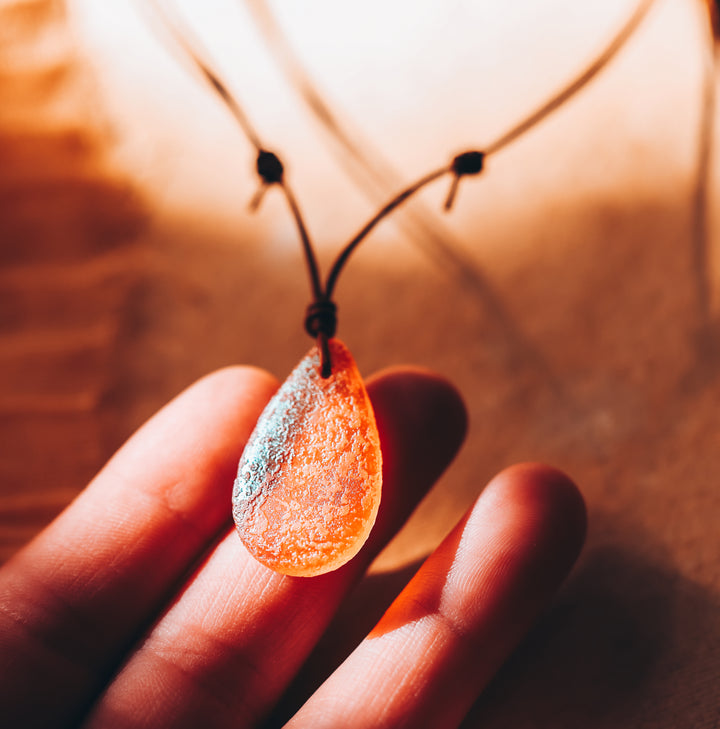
x=129 y=267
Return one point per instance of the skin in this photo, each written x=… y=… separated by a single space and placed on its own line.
x=139 y=607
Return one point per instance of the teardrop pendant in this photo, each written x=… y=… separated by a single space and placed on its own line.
x=309 y=481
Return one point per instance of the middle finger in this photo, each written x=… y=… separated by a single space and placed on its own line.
x=236 y=636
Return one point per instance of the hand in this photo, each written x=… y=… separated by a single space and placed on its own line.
x=139 y=607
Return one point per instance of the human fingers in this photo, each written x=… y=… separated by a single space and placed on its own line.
x=75 y=599
x=234 y=639
x=458 y=619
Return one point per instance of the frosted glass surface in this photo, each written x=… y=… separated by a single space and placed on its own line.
x=308 y=485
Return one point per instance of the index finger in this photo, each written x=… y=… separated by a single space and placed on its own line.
x=75 y=599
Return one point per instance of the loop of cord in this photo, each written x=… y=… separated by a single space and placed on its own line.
x=320 y=324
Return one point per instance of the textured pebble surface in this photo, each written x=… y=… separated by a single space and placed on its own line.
x=309 y=481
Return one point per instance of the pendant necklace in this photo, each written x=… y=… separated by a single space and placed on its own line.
x=310 y=478
x=309 y=481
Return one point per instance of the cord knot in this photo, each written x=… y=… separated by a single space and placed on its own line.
x=467 y=163
x=269 y=167
x=321 y=318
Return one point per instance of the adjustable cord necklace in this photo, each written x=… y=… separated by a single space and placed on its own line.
x=309 y=481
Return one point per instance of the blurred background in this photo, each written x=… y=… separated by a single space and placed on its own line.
x=572 y=294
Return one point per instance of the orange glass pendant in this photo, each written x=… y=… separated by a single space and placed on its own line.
x=309 y=481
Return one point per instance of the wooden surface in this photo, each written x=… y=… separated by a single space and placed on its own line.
x=129 y=267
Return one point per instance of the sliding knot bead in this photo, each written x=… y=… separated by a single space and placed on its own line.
x=269 y=167
x=468 y=163
x=321 y=318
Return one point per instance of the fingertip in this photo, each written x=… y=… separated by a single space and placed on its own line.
x=415 y=407
x=248 y=382
x=549 y=503
x=504 y=560
x=406 y=384
x=226 y=402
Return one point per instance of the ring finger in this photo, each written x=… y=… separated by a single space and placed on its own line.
x=458 y=619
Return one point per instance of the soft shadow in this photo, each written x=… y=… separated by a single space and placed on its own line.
x=627 y=643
